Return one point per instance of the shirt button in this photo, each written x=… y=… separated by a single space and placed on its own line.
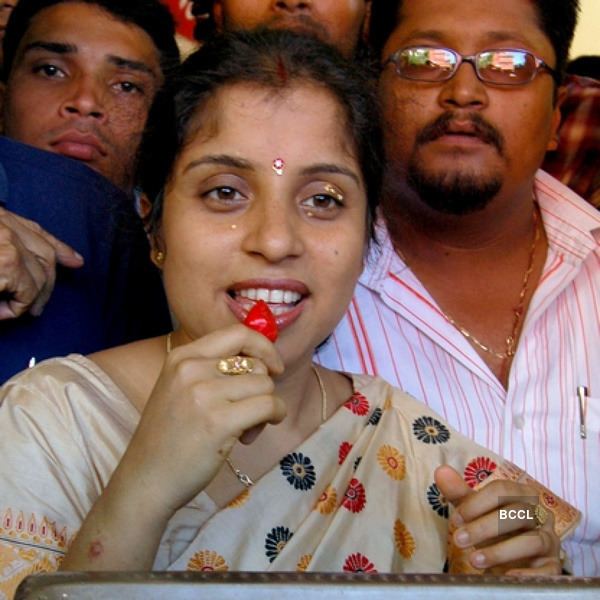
x=518 y=421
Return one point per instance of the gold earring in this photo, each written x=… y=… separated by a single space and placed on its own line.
x=159 y=257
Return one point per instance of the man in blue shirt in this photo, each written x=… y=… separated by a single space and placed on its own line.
x=81 y=78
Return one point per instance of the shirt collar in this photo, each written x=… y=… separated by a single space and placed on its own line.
x=571 y=224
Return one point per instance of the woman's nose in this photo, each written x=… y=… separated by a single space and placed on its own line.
x=273 y=231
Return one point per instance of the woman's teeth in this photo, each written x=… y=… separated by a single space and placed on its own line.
x=270 y=296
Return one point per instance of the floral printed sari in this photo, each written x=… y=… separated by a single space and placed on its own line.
x=357 y=495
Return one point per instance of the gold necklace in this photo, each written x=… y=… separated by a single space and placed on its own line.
x=518 y=311
x=242 y=477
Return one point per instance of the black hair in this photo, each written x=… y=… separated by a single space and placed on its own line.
x=557 y=19
x=151 y=16
x=586 y=66
x=273 y=59
x=205 y=23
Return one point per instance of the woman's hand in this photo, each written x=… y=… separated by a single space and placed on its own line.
x=196 y=414
x=510 y=546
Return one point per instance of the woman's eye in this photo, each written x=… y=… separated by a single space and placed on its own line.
x=323 y=202
x=223 y=197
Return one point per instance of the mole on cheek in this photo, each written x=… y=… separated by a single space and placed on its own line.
x=96 y=550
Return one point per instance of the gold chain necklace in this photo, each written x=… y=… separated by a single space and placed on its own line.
x=242 y=477
x=518 y=311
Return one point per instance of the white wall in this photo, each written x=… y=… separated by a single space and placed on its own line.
x=587 y=34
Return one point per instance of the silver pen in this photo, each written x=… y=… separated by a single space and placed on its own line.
x=582 y=394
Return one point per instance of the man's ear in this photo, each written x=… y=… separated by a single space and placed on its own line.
x=561 y=94
x=366 y=22
x=217 y=13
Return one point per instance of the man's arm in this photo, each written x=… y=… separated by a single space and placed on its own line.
x=28 y=257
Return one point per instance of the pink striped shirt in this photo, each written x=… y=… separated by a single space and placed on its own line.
x=393 y=328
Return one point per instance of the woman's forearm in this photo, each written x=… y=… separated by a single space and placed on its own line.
x=121 y=532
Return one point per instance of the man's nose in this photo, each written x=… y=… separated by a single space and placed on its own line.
x=464 y=89
x=292 y=5
x=86 y=98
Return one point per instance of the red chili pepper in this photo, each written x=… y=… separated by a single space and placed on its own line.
x=261 y=319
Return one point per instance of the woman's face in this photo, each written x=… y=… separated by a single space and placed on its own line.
x=266 y=201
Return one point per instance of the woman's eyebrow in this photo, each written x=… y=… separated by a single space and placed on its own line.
x=225 y=160
x=331 y=168
x=240 y=163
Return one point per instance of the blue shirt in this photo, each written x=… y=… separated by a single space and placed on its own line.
x=116 y=297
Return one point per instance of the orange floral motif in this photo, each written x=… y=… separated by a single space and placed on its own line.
x=239 y=500
x=7 y=556
x=388 y=402
x=304 y=562
x=405 y=543
x=27 y=554
x=44 y=565
x=327 y=501
x=392 y=462
x=207 y=560
x=17 y=563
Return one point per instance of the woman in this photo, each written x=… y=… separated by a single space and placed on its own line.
x=157 y=457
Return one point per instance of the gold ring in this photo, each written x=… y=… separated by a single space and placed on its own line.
x=540 y=515
x=235 y=365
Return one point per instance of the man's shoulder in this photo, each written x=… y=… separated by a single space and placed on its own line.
x=62 y=195
x=26 y=168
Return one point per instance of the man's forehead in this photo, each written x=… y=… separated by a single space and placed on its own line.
x=71 y=27
x=481 y=21
x=77 y=24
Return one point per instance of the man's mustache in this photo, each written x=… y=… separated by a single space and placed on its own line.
x=301 y=23
x=481 y=129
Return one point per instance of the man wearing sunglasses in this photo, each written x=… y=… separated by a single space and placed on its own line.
x=484 y=297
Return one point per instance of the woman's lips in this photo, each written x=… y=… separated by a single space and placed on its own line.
x=285 y=314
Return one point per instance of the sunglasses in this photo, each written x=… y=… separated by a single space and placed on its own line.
x=507 y=66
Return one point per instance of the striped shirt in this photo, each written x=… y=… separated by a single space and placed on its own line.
x=394 y=328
